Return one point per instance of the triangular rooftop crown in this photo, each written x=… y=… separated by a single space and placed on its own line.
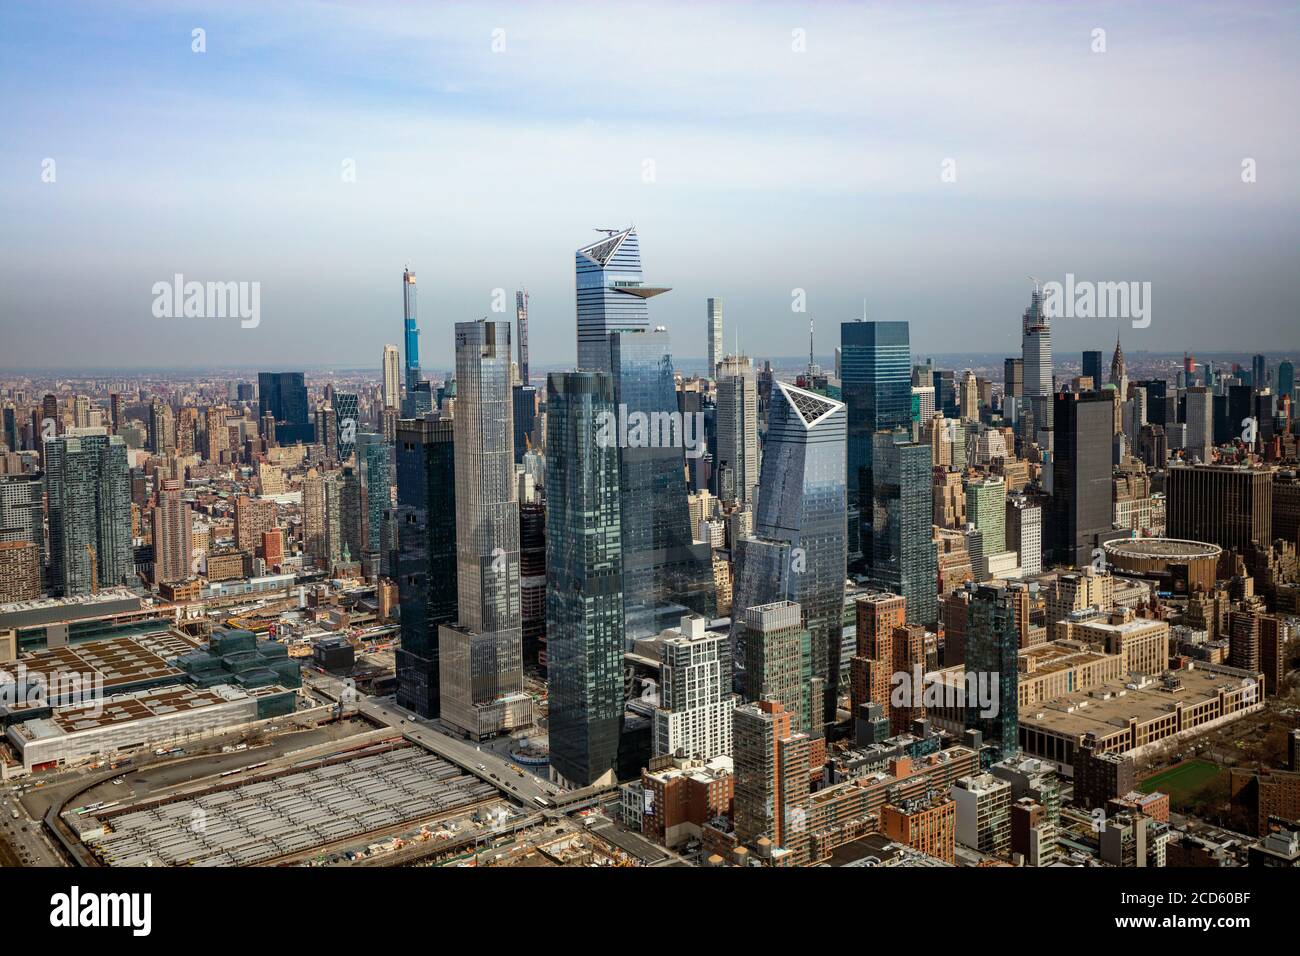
x=603 y=250
x=811 y=407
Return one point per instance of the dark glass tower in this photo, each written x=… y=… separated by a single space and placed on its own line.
x=584 y=581
x=1081 y=474
x=876 y=362
x=410 y=329
x=992 y=649
x=1092 y=368
x=283 y=395
x=425 y=563
x=611 y=295
x=88 y=485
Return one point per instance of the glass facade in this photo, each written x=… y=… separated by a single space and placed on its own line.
x=1081 y=474
x=283 y=395
x=425 y=562
x=801 y=504
x=992 y=648
x=88 y=485
x=876 y=366
x=611 y=296
x=904 y=560
x=584 y=580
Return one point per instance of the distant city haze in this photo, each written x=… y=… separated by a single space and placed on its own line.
x=914 y=161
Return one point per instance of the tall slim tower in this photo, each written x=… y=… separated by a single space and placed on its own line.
x=392 y=377
x=904 y=560
x=715 y=335
x=584 y=581
x=1036 y=350
x=737 y=429
x=171 y=533
x=411 y=329
x=521 y=321
x=481 y=656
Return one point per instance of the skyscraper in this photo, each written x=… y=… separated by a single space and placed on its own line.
x=876 y=359
x=772 y=778
x=1227 y=505
x=521 y=321
x=425 y=563
x=714 y=310
x=89 y=492
x=778 y=663
x=283 y=395
x=1081 y=474
x=22 y=512
x=481 y=656
x=347 y=423
x=992 y=648
x=800 y=522
x=584 y=581
x=1036 y=350
x=1199 y=416
x=737 y=428
x=392 y=363
x=904 y=560
x=694 y=716
x=611 y=295
x=1092 y=368
x=410 y=329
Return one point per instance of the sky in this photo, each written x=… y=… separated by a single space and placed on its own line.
x=913 y=161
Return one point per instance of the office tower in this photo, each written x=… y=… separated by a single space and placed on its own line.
x=714 y=309
x=1227 y=505
x=1259 y=372
x=283 y=395
x=611 y=296
x=778 y=663
x=424 y=566
x=1118 y=372
x=373 y=454
x=532 y=582
x=1199 y=418
x=1286 y=379
x=117 y=418
x=1081 y=475
x=991 y=648
x=694 y=716
x=347 y=423
x=986 y=509
x=327 y=432
x=877 y=388
x=772 y=768
x=525 y=419
x=22 y=513
x=584 y=581
x=1024 y=530
x=1013 y=384
x=879 y=615
x=88 y=487
x=1036 y=351
x=904 y=560
x=922 y=403
x=352 y=514
x=172 y=544
x=664 y=573
x=392 y=388
x=1092 y=368
x=20 y=573
x=521 y=323
x=481 y=656
x=968 y=399
x=798 y=552
x=737 y=425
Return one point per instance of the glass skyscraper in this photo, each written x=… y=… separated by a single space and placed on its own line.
x=346 y=422
x=88 y=485
x=992 y=649
x=801 y=518
x=410 y=329
x=1081 y=474
x=283 y=395
x=665 y=574
x=584 y=581
x=611 y=295
x=480 y=658
x=1036 y=351
x=425 y=562
x=876 y=365
x=904 y=560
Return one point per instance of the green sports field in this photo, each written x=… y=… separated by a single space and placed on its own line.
x=1182 y=780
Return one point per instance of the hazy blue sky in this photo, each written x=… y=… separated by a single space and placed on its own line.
x=774 y=169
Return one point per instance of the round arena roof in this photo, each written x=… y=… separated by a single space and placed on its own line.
x=1168 y=549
